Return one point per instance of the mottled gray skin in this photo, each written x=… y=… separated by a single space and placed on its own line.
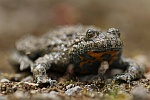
x=86 y=50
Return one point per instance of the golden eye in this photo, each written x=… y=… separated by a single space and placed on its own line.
x=90 y=33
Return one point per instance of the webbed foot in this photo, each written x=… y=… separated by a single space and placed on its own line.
x=44 y=79
x=123 y=77
x=40 y=75
x=133 y=72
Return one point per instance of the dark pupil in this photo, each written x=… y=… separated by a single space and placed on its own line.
x=90 y=34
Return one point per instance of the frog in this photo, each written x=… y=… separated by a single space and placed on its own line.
x=76 y=49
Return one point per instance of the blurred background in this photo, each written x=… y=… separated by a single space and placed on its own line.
x=21 y=17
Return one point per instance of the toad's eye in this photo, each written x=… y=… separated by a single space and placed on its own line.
x=90 y=33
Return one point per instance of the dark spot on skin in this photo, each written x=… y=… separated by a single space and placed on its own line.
x=109 y=43
x=97 y=51
x=106 y=56
x=89 y=57
x=76 y=59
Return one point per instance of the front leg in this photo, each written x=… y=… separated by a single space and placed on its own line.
x=40 y=76
x=104 y=66
x=133 y=71
x=43 y=64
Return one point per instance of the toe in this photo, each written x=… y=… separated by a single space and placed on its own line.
x=44 y=79
x=52 y=82
x=123 y=77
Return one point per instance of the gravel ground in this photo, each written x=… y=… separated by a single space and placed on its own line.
x=37 y=17
x=75 y=90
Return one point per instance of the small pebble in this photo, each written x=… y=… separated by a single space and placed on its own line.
x=2 y=97
x=73 y=90
x=68 y=86
x=48 y=96
x=140 y=93
x=27 y=79
x=4 y=80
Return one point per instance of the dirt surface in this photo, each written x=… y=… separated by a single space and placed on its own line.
x=95 y=90
x=18 y=18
